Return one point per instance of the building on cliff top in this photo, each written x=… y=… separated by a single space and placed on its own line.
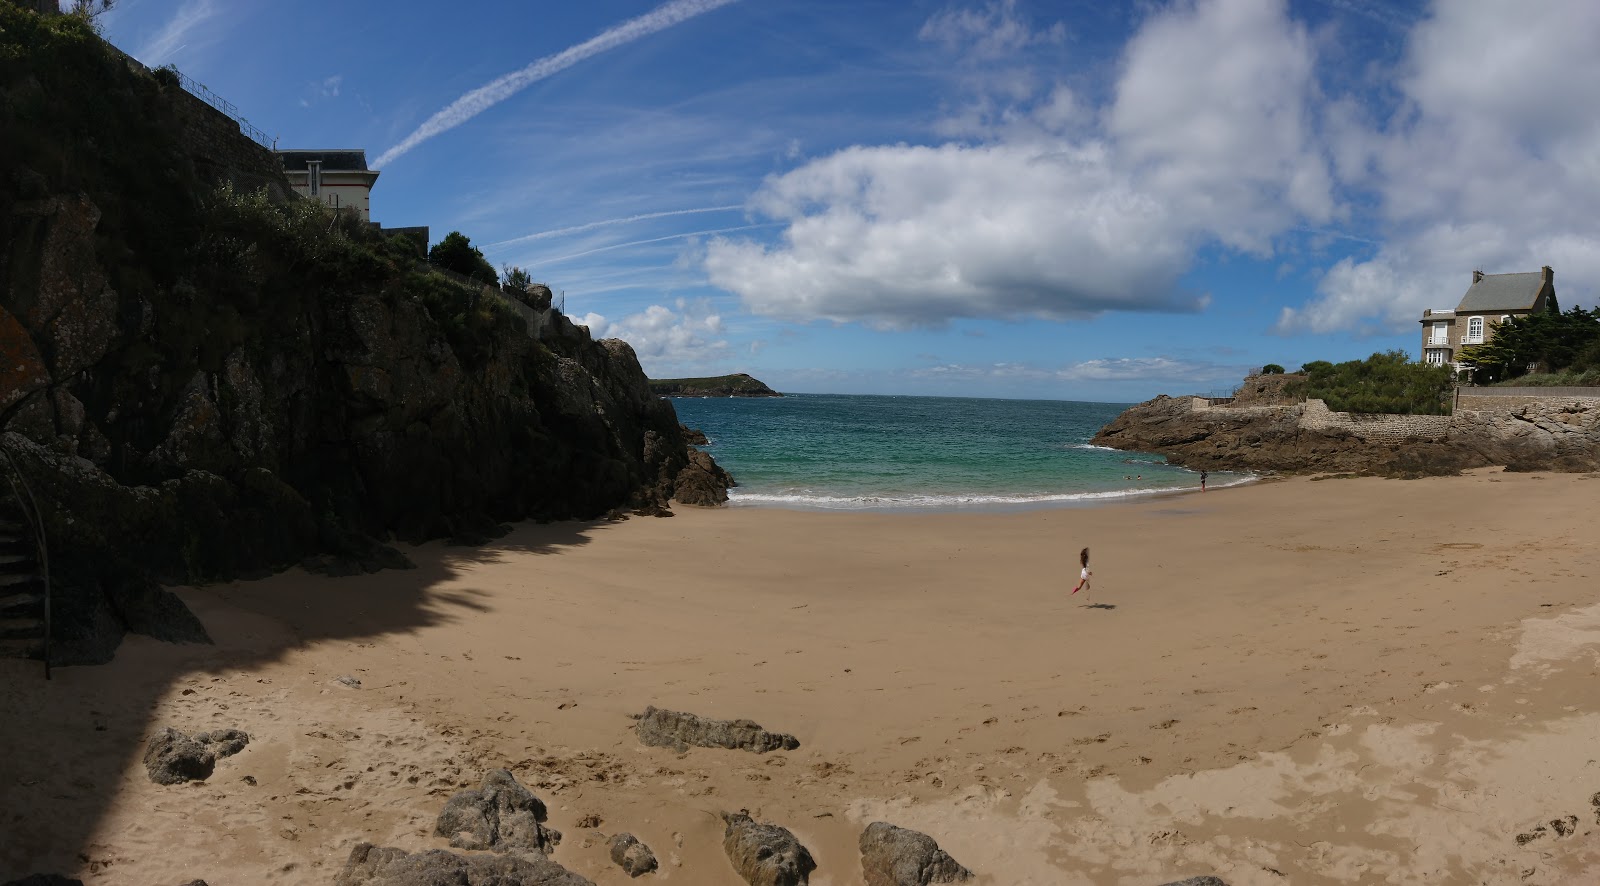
x=1491 y=300
x=339 y=178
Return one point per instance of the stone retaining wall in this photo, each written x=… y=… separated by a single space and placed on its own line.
x=1316 y=415
x=1506 y=403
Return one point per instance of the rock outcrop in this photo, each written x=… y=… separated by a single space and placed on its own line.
x=660 y=728
x=633 y=857
x=205 y=384
x=1552 y=434
x=501 y=815
x=765 y=854
x=371 y=865
x=893 y=856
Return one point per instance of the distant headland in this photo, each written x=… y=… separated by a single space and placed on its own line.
x=736 y=385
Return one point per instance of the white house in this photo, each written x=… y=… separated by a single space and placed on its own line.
x=339 y=178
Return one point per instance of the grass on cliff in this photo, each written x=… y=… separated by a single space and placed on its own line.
x=1383 y=383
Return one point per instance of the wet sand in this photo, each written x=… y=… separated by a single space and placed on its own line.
x=1341 y=681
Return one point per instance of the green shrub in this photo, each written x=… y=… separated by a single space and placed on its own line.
x=1383 y=383
x=1272 y=369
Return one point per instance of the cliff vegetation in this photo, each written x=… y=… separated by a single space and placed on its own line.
x=204 y=377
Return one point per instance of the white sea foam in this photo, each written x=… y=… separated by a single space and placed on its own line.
x=954 y=501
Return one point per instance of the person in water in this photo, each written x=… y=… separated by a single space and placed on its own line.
x=1202 y=481
x=1083 y=577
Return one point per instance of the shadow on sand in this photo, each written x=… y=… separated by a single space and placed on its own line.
x=49 y=814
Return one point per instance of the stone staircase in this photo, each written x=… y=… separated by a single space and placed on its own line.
x=24 y=599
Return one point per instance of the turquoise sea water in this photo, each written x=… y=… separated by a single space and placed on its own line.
x=876 y=452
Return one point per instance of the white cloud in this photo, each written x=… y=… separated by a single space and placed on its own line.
x=691 y=333
x=1106 y=370
x=173 y=36
x=1492 y=162
x=1208 y=140
x=992 y=32
x=485 y=97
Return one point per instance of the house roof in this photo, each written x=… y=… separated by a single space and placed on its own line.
x=1503 y=292
x=332 y=161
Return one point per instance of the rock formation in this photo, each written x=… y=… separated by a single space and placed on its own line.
x=203 y=384
x=371 y=865
x=765 y=854
x=1552 y=434
x=672 y=729
x=501 y=815
x=892 y=856
x=633 y=857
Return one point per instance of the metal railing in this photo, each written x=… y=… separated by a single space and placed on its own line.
x=201 y=91
x=32 y=514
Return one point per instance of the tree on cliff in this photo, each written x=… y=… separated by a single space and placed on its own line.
x=456 y=253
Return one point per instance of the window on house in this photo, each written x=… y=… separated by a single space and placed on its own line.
x=1441 y=334
x=1475 y=330
x=1505 y=318
x=314 y=177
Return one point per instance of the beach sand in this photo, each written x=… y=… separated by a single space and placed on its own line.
x=1341 y=681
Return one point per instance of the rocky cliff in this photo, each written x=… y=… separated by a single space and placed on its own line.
x=202 y=383
x=1557 y=434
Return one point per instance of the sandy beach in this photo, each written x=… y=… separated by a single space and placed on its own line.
x=1340 y=681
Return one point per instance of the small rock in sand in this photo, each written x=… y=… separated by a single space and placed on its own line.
x=1197 y=881
x=671 y=729
x=590 y=821
x=633 y=857
x=347 y=680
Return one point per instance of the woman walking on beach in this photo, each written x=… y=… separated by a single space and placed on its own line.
x=1202 y=481
x=1083 y=577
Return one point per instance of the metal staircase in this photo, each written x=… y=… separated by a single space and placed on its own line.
x=24 y=570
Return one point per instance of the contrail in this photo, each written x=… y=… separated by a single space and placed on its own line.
x=170 y=38
x=558 y=232
x=562 y=258
x=485 y=97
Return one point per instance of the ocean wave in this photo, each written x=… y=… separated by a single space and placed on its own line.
x=955 y=500
x=1092 y=446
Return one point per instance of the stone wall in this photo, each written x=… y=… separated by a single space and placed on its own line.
x=1315 y=415
x=221 y=152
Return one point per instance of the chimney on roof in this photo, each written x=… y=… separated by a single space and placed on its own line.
x=1549 y=275
x=1476 y=276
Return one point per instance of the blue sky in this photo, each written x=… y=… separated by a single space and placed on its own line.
x=1066 y=199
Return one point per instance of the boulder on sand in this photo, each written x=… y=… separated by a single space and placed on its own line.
x=371 y=865
x=501 y=815
x=765 y=854
x=892 y=856
x=633 y=857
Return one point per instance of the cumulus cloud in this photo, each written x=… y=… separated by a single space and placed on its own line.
x=1208 y=140
x=1492 y=162
x=689 y=332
